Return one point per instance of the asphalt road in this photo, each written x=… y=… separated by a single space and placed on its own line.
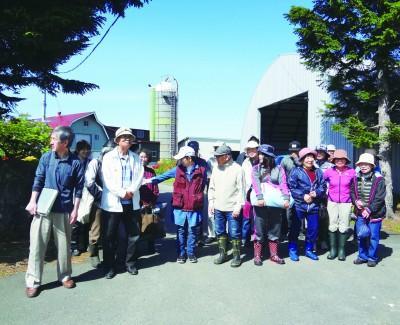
x=164 y=292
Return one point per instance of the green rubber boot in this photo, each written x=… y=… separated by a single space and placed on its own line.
x=222 y=243
x=341 y=245
x=236 y=261
x=333 y=245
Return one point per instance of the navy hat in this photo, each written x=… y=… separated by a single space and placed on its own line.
x=294 y=146
x=267 y=150
x=194 y=144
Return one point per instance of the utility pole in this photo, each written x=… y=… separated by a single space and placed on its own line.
x=44 y=106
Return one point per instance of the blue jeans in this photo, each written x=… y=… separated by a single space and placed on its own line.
x=246 y=228
x=234 y=224
x=186 y=238
x=368 y=247
x=312 y=226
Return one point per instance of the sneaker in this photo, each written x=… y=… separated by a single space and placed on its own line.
x=371 y=263
x=75 y=252
x=181 y=259
x=359 y=261
x=192 y=259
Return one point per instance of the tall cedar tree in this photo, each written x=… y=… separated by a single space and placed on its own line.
x=355 y=45
x=37 y=36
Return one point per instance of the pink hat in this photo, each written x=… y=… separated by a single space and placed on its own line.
x=306 y=151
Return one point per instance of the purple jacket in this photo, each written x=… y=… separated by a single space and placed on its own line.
x=339 y=187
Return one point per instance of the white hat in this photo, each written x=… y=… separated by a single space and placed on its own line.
x=330 y=147
x=185 y=151
x=251 y=145
x=124 y=131
x=366 y=158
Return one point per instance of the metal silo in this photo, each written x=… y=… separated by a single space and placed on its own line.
x=163 y=116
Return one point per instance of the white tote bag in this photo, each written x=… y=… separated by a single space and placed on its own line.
x=273 y=196
x=85 y=206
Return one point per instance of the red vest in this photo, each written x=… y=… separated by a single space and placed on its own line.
x=188 y=196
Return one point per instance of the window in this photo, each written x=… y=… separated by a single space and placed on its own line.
x=96 y=137
x=140 y=134
x=154 y=154
x=86 y=123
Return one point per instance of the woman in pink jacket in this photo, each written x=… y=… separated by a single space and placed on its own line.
x=339 y=179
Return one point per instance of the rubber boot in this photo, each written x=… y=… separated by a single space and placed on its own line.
x=94 y=255
x=236 y=261
x=257 y=253
x=342 y=242
x=309 y=251
x=294 y=256
x=333 y=245
x=273 y=251
x=222 y=243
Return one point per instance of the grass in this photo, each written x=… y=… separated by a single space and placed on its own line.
x=392 y=225
x=14 y=257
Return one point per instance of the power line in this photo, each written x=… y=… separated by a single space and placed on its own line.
x=91 y=52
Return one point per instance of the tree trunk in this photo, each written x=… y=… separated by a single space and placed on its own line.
x=385 y=148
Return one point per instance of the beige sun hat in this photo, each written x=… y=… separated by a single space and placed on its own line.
x=366 y=158
x=124 y=131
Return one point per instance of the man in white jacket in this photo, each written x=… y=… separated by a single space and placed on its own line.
x=225 y=200
x=122 y=177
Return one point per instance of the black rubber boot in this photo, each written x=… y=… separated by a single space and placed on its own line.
x=341 y=245
x=222 y=243
x=333 y=245
x=236 y=261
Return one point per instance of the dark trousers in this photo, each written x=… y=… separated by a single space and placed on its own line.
x=110 y=226
x=79 y=236
x=287 y=217
x=312 y=226
x=267 y=223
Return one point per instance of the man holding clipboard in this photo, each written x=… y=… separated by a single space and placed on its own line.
x=56 y=193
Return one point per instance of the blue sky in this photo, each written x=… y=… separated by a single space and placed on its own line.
x=218 y=50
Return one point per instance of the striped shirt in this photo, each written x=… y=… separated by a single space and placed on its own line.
x=126 y=176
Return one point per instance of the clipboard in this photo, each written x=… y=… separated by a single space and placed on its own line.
x=46 y=201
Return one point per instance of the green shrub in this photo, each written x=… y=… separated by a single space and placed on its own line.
x=164 y=165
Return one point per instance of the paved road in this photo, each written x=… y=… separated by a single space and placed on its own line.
x=164 y=292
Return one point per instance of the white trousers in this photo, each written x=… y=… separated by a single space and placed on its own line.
x=41 y=227
x=339 y=216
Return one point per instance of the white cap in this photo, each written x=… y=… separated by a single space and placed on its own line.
x=330 y=147
x=251 y=145
x=185 y=151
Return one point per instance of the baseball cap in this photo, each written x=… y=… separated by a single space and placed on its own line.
x=185 y=151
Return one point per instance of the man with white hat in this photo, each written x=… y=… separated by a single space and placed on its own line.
x=122 y=177
x=187 y=202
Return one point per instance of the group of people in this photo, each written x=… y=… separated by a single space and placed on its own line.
x=255 y=199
